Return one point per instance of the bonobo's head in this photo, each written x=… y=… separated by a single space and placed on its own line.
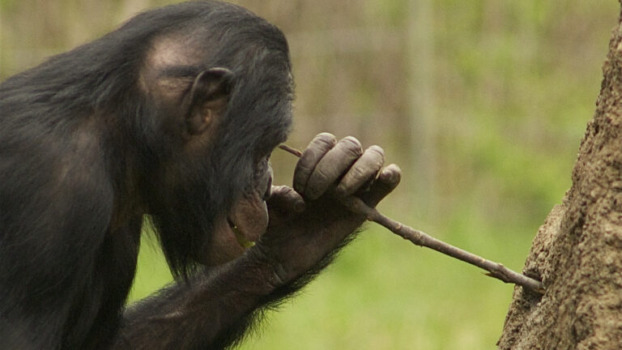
x=216 y=89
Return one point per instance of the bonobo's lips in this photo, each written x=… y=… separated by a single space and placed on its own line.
x=249 y=219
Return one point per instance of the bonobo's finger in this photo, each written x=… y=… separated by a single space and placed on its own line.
x=363 y=170
x=284 y=198
x=386 y=182
x=316 y=149
x=284 y=203
x=332 y=166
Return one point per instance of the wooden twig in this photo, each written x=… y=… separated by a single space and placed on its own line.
x=291 y=150
x=422 y=239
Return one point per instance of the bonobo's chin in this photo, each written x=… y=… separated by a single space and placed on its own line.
x=232 y=236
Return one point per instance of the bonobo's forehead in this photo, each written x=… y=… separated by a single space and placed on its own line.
x=171 y=57
x=172 y=50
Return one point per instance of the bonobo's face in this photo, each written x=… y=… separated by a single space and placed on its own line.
x=238 y=229
x=248 y=219
x=244 y=223
x=224 y=123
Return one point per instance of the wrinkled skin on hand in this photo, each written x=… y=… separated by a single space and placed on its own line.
x=308 y=222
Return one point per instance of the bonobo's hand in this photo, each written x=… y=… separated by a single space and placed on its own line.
x=308 y=222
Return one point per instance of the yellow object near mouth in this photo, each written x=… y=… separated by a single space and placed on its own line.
x=239 y=236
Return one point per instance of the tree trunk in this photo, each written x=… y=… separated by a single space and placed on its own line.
x=577 y=253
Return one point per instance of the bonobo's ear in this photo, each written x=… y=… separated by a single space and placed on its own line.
x=208 y=98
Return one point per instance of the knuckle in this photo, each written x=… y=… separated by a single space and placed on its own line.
x=394 y=168
x=324 y=139
x=355 y=179
x=375 y=154
x=278 y=189
x=392 y=174
x=286 y=191
x=371 y=162
x=359 y=172
x=317 y=184
x=319 y=177
x=325 y=135
x=351 y=145
x=377 y=150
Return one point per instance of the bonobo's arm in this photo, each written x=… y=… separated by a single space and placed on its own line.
x=210 y=311
x=307 y=225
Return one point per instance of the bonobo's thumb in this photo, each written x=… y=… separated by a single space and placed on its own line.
x=386 y=182
x=284 y=203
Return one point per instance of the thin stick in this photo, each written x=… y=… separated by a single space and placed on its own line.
x=422 y=239
x=291 y=150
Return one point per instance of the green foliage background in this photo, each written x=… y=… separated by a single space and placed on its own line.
x=509 y=87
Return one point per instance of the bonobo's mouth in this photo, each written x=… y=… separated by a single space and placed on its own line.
x=238 y=231
x=239 y=236
x=248 y=220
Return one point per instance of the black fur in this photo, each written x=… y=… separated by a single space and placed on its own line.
x=84 y=154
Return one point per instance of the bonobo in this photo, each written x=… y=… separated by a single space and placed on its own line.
x=172 y=116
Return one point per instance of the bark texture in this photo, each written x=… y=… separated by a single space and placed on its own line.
x=577 y=252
